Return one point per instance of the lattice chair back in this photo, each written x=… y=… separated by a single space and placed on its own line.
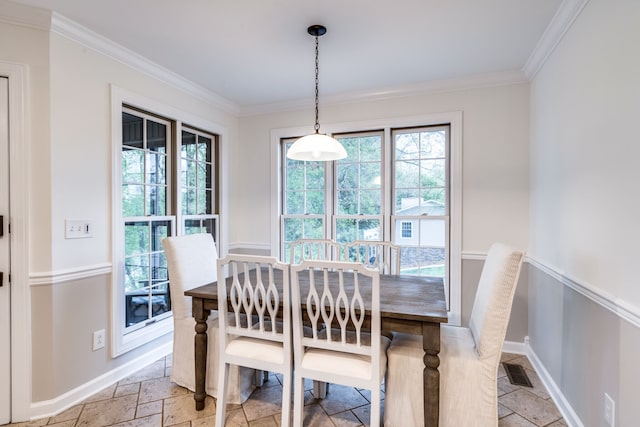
x=341 y=303
x=314 y=249
x=255 y=324
x=383 y=256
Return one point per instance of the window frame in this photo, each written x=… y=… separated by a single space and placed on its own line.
x=122 y=342
x=453 y=120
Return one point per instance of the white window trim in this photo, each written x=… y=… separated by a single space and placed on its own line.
x=121 y=343
x=455 y=158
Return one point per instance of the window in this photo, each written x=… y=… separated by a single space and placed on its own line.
x=396 y=184
x=421 y=187
x=407 y=229
x=168 y=179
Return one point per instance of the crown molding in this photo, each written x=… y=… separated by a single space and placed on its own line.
x=71 y=30
x=560 y=23
x=25 y=16
x=503 y=78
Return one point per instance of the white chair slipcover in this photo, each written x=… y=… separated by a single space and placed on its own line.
x=469 y=357
x=191 y=261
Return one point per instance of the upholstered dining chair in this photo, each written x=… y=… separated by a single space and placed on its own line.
x=191 y=261
x=385 y=256
x=334 y=293
x=469 y=357
x=265 y=342
x=318 y=249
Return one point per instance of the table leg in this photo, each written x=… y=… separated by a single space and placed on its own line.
x=431 y=375
x=200 y=342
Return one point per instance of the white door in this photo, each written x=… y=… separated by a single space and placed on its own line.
x=5 y=304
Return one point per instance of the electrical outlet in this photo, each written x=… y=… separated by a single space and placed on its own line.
x=78 y=229
x=98 y=339
x=609 y=410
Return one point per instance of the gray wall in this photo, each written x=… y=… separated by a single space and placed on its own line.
x=519 y=322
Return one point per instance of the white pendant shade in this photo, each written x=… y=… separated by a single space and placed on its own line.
x=316 y=148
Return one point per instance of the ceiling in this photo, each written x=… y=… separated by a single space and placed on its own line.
x=258 y=52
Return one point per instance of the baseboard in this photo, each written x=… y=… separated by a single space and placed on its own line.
x=50 y=408
x=569 y=415
x=514 y=347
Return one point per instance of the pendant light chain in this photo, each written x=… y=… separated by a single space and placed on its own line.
x=317 y=125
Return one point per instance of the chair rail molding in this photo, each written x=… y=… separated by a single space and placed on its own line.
x=66 y=275
x=622 y=308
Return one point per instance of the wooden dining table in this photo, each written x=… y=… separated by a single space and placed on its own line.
x=408 y=304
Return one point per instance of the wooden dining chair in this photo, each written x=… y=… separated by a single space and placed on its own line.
x=352 y=352
x=469 y=357
x=191 y=262
x=384 y=256
x=315 y=249
x=264 y=342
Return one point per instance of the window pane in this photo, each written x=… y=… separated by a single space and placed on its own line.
x=422 y=261
x=160 y=300
x=433 y=144
x=369 y=229
x=347 y=176
x=433 y=202
x=136 y=238
x=347 y=202
x=351 y=146
x=156 y=168
x=132 y=200
x=156 y=136
x=295 y=178
x=188 y=149
x=192 y=226
x=132 y=130
x=407 y=174
x=313 y=228
x=156 y=200
x=159 y=230
x=294 y=203
x=136 y=306
x=371 y=148
x=315 y=202
x=132 y=166
x=189 y=201
x=432 y=173
x=203 y=177
x=407 y=202
x=203 y=196
x=370 y=175
x=370 y=202
x=292 y=229
x=346 y=230
x=204 y=149
x=158 y=267
x=190 y=170
x=136 y=272
x=314 y=176
x=407 y=146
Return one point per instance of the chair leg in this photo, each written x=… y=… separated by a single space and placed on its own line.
x=375 y=407
x=320 y=389
x=221 y=401
x=259 y=377
x=298 y=401
x=286 y=400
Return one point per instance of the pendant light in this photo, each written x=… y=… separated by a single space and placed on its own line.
x=317 y=146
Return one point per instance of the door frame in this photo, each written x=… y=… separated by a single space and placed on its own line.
x=19 y=143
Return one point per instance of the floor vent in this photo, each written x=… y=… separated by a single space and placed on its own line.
x=517 y=374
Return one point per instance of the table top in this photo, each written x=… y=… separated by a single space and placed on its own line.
x=402 y=297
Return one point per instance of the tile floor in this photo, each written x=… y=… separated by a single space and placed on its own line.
x=148 y=398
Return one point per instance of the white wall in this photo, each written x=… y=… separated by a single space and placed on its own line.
x=584 y=302
x=495 y=160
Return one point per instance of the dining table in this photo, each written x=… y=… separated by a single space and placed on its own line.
x=408 y=304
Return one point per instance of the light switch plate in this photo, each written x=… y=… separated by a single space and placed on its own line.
x=78 y=229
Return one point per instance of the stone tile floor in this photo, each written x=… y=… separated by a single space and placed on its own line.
x=148 y=398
